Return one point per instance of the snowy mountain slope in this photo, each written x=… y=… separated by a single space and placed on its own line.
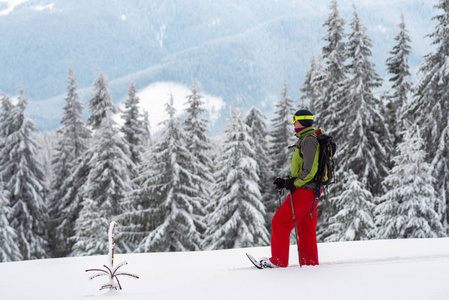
x=384 y=269
x=234 y=48
x=220 y=57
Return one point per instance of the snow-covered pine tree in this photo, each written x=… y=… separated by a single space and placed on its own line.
x=134 y=221
x=7 y=107
x=110 y=168
x=133 y=128
x=312 y=90
x=141 y=214
x=409 y=208
x=47 y=142
x=256 y=122
x=148 y=141
x=24 y=180
x=198 y=143
x=282 y=135
x=362 y=134
x=72 y=198
x=73 y=138
x=103 y=172
x=90 y=238
x=430 y=105
x=354 y=220
x=166 y=199
x=335 y=70
x=100 y=103
x=237 y=218
x=9 y=251
x=398 y=66
x=108 y=181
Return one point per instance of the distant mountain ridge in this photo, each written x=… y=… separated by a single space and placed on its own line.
x=236 y=49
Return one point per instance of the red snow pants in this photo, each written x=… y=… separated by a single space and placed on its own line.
x=282 y=225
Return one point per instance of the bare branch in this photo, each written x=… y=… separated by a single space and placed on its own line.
x=99 y=270
x=98 y=275
x=128 y=274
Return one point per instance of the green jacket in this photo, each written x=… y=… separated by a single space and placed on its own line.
x=305 y=159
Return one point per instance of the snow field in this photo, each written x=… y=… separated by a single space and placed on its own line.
x=383 y=269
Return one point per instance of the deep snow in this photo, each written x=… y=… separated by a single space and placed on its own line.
x=384 y=269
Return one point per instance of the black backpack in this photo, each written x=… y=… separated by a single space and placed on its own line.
x=325 y=174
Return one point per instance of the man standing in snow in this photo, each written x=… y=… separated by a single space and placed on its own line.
x=301 y=186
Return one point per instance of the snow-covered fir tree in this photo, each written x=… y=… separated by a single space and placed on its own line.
x=398 y=66
x=354 y=220
x=90 y=238
x=198 y=143
x=238 y=215
x=141 y=213
x=9 y=251
x=72 y=197
x=364 y=141
x=72 y=188
x=430 y=105
x=282 y=135
x=110 y=168
x=335 y=70
x=108 y=181
x=7 y=107
x=47 y=142
x=102 y=173
x=147 y=141
x=24 y=180
x=409 y=208
x=166 y=198
x=258 y=131
x=100 y=103
x=134 y=127
x=311 y=89
x=72 y=141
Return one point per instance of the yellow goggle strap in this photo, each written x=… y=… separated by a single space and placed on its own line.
x=297 y=118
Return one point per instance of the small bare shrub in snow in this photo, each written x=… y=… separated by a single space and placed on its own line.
x=111 y=271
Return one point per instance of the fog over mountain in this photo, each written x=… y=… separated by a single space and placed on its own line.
x=234 y=48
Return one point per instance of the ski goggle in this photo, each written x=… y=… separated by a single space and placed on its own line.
x=297 y=118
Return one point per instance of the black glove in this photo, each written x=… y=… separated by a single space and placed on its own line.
x=290 y=185
x=280 y=183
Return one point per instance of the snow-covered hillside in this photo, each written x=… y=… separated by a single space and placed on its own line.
x=384 y=269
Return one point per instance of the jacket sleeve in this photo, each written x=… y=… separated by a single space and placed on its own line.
x=310 y=163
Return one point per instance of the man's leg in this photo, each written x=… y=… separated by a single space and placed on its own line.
x=281 y=226
x=307 y=235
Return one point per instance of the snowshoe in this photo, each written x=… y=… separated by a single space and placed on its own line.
x=264 y=263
